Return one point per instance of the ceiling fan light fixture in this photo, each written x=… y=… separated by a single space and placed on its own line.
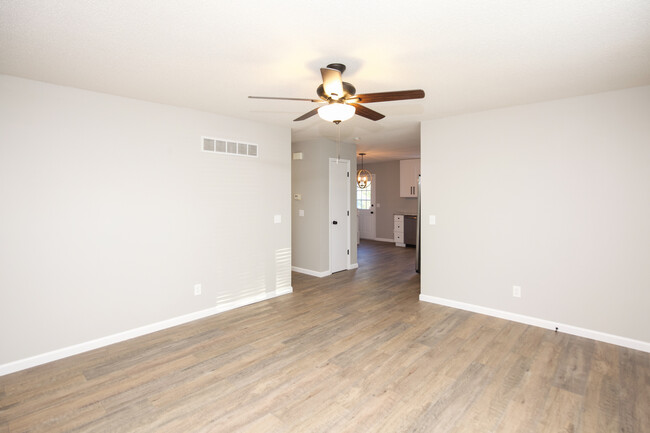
x=336 y=112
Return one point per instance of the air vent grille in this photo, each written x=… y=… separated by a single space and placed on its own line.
x=218 y=145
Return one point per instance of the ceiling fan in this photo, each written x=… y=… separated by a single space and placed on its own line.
x=341 y=99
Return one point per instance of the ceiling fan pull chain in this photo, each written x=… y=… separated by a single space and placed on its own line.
x=338 y=147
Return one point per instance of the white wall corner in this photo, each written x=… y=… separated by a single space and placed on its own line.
x=318 y=274
x=283 y=291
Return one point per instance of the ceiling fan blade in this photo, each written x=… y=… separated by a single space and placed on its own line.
x=389 y=96
x=332 y=83
x=307 y=115
x=367 y=112
x=285 y=99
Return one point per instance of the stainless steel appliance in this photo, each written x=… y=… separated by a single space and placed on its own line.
x=410 y=230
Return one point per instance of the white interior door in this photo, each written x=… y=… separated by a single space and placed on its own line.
x=366 y=199
x=339 y=214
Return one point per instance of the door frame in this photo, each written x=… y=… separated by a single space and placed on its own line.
x=348 y=217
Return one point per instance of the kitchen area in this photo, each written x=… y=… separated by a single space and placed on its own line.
x=396 y=206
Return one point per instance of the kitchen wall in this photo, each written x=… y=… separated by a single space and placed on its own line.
x=111 y=213
x=387 y=185
x=553 y=197
x=310 y=179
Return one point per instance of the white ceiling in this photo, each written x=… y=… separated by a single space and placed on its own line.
x=467 y=55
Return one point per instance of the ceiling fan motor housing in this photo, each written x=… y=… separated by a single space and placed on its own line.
x=338 y=66
x=348 y=91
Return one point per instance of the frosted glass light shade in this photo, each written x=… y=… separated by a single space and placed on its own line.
x=336 y=111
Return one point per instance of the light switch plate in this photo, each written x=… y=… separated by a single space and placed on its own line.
x=301 y=212
x=432 y=220
x=277 y=219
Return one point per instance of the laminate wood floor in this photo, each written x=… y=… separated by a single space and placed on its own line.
x=353 y=352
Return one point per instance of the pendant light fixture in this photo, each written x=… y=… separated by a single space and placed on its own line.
x=364 y=177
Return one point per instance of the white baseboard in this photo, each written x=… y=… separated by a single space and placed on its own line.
x=380 y=239
x=320 y=274
x=54 y=355
x=310 y=272
x=542 y=323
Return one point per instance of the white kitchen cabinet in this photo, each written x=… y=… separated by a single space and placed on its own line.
x=409 y=171
x=398 y=230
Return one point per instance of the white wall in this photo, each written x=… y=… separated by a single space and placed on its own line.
x=110 y=213
x=554 y=197
x=310 y=178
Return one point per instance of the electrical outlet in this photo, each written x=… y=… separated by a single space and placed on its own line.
x=197 y=289
x=516 y=291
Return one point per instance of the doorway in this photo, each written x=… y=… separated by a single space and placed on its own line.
x=339 y=214
x=366 y=199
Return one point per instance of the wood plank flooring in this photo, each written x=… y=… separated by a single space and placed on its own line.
x=353 y=352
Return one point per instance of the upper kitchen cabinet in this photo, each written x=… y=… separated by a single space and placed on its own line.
x=409 y=171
